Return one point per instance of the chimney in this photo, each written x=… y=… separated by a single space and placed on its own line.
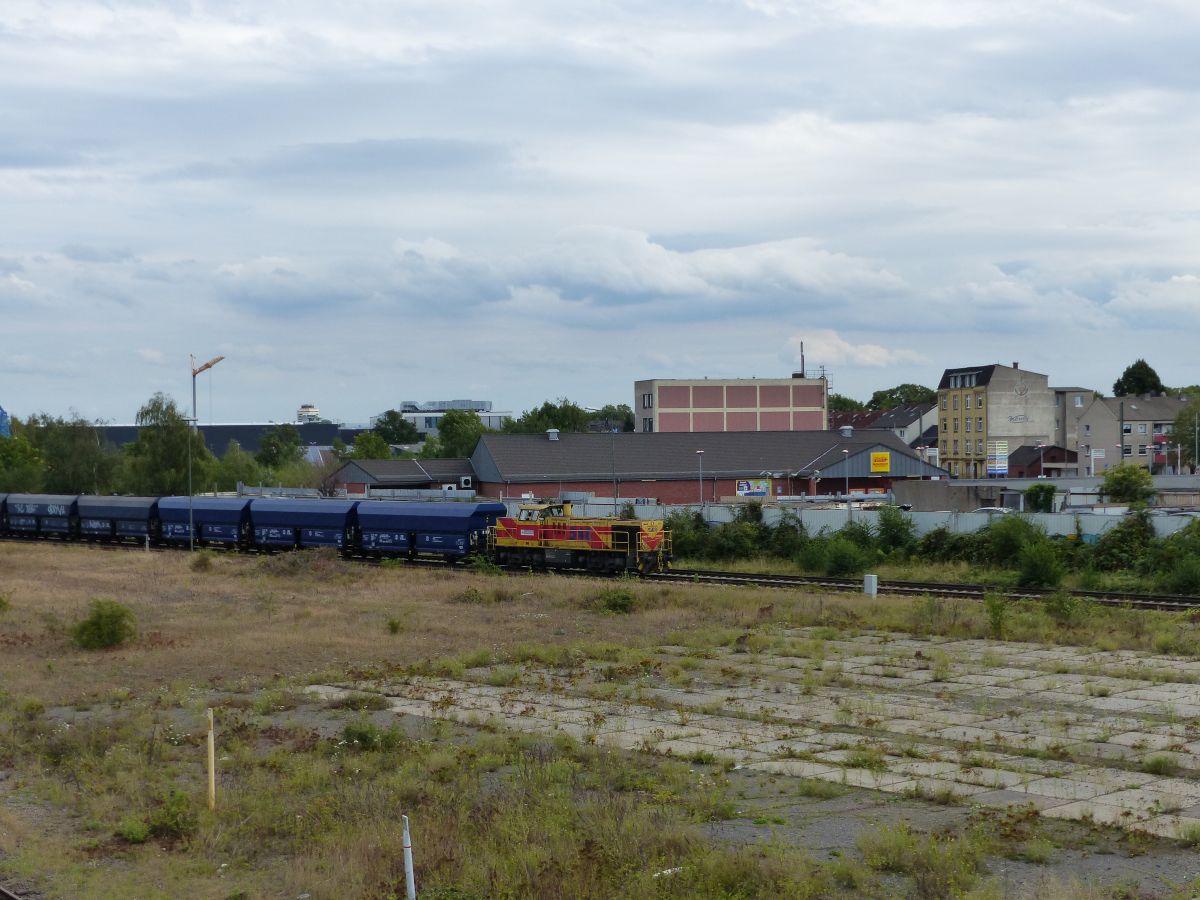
x=552 y=434
x=847 y=431
x=1016 y=365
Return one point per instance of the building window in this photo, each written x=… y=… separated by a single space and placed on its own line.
x=1169 y=428
x=647 y=401
x=1087 y=429
x=1127 y=428
x=979 y=446
x=943 y=403
x=979 y=423
x=967 y=401
x=979 y=401
x=954 y=402
x=647 y=425
x=1127 y=450
x=967 y=425
x=1141 y=427
x=1078 y=402
x=1141 y=450
x=956 y=470
x=956 y=425
x=945 y=421
x=943 y=448
x=955 y=451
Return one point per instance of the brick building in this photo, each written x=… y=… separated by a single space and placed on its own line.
x=736 y=404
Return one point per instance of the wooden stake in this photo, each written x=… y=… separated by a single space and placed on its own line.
x=212 y=763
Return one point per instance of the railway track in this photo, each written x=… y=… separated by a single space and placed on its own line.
x=1164 y=602
x=1167 y=602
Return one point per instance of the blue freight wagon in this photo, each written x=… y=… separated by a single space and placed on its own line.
x=399 y=528
x=218 y=520
x=288 y=524
x=42 y=515
x=118 y=518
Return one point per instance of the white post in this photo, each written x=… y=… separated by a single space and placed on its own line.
x=410 y=883
x=871 y=585
x=212 y=763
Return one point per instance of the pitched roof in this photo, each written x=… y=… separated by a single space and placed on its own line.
x=405 y=471
x=902 y=416
x=983 y=373
x=668 y=456
x=1145 y=409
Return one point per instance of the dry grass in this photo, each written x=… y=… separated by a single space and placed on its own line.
x=241 y=624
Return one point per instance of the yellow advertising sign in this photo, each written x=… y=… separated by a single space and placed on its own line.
x=881 y=462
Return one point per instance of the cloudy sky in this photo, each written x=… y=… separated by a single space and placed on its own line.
x=365 y=202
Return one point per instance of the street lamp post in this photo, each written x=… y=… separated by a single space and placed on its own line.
x=846 y=471
x=1041 y=446
x=700 y=460
x=196 y=370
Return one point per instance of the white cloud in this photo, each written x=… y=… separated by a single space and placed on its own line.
x=826 y=346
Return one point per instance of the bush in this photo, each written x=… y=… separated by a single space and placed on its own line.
x=814 y=555
x=132 y=830
x=203 y=561
x=859 y=533
x=616 y=600
x=1184 y=578
x=787 y=538
x=1038 y=565
x=1039 y=498
x=1066 y=609
x=108 y=624
x=366 y=736
x=843 y=557
x=735 y=540
x=1004 y=538
x=1126 y=546
x=175 y=818
x=896 y=530
x=5 y=604
x=996 y=608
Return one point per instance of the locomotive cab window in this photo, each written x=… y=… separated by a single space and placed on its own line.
x=529 y=515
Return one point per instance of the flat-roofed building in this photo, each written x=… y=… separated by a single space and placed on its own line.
x=731 y=404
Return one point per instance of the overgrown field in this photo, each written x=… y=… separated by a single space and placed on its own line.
x=102 y=781
x=1011 y=551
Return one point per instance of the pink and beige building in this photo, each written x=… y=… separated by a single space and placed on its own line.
x=735 y=404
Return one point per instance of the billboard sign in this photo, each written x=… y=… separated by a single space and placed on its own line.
x=754 y=487
x=997 y=459
x=5 y=424
x=881 y=462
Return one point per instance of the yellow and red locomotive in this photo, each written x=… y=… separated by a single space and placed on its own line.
x=547 y=536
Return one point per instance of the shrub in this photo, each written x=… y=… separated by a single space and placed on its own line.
x=616 y=600
x=365 y=736
x=896 y=530
x=1065 y=608
x=133 y=830
x=1127 y=545
x=108 y=624
x=174 y=818
x=203 y=561
x=1004 y=538
x=845 y=558
x=787 y=538
x=394 y=626
x=996 y=607
x=860 y=533
x=484 y=566
x=5 y=604
x=814 y=555
x=1184 y=578
x=735 y=540
x=1127 y=484
x=1039 y=498
x=1038 y=565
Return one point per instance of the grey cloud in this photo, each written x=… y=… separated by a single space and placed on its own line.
x=87 y=254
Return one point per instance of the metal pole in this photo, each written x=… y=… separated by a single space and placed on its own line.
x=410 y=881
x=612 y=436
x=191 y=435
x=212 y=762
x=700 y=457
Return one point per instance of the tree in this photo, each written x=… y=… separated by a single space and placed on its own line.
x=395 y=429
x=458 y=433
x=838 y=403
x=76 y=460
x=1137 y=380
x=156 y=464
x=279 y=446
x=369 y=445
x=615 y=417
x=1040 y=498
x=1185 y=431
x=237 y=465
x=563 y=415
x=1127 y=484
x=20 y=465
x=902 y=395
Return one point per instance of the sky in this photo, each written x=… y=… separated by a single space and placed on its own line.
x=367 y=202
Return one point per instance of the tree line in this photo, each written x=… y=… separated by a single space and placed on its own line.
x=56 y=455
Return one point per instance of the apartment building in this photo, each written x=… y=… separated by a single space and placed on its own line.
x=1136 y=430
x=986 y=412
x=735 y=404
